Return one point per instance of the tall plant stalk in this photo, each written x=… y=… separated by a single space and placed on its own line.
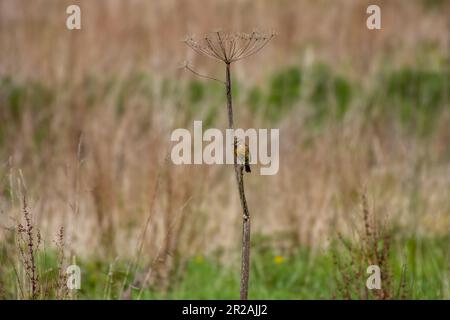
x=231 y=47
x=238 y=169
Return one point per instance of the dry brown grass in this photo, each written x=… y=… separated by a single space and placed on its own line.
x=118 y=36
x=111 y=197
x=34 y=279
x=96 y=173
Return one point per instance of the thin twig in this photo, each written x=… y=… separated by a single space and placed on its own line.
x=158 y=254
x=203 y=76
x=150 y=215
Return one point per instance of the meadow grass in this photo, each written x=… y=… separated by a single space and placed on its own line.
x=85 y=130
x=302 y=273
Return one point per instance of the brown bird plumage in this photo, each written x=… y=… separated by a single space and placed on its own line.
x=242 y=153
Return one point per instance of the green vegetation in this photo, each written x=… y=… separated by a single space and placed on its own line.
x=298 y=273
x=414 y=96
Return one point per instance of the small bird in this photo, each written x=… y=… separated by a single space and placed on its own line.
x=242 y=153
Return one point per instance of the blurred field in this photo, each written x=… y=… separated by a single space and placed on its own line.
x=85 y=123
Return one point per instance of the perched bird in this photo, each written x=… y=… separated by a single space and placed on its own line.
x=242 y=153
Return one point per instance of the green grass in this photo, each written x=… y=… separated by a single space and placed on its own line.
x=297 y=273
x=303 y=274
x=272 y=277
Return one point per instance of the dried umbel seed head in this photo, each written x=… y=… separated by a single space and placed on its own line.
x=230 y=46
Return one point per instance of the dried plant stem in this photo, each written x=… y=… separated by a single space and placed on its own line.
x=245 y=263
x=133 y=266
x=201 y=75
x=31 y=250
x=229 y=47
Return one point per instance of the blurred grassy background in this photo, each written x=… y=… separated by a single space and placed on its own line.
x=86 y=117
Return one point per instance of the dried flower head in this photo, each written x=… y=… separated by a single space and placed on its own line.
x=230 y=46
